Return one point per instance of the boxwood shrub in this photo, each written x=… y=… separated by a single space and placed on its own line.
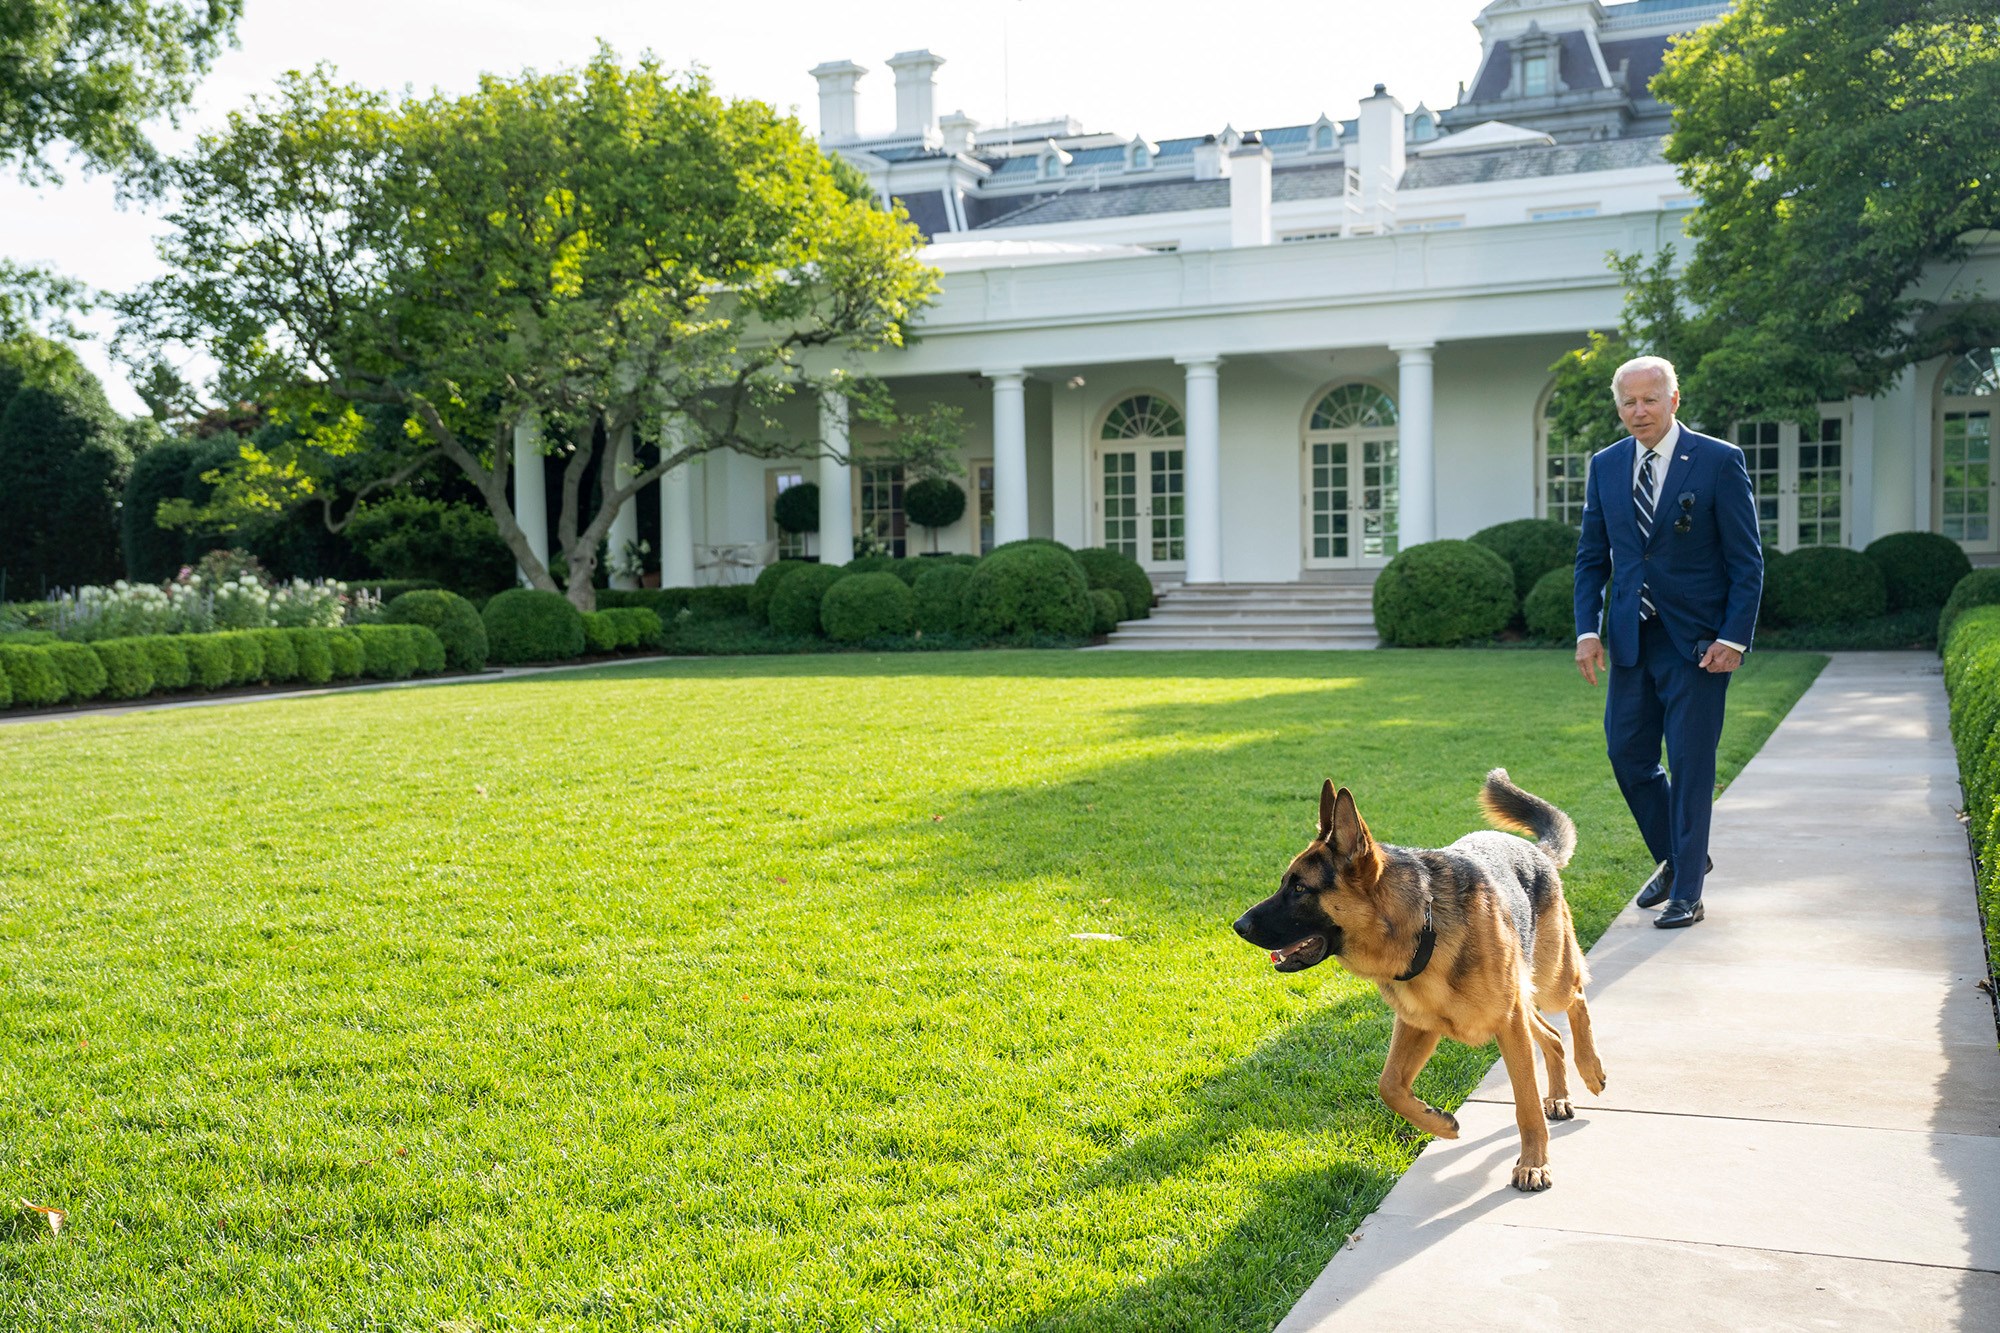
x=281 y=659
x=211 y=666
x=795 y=605
x=600 y=632
x=1107 y=608
x=529 y=625
x=314 y=653
x=1531 y=547
x=168 y=654
x=6 y=688
x=128 y=668
x=32 y=675
x=1972 y=679
x=1918 y=568
x=1120 y=572
x=1440 y=593
x=757 y=601
x=344 y=647
x=729 y=599
x=397 y=652
x=1028 y=588
x=1979 y=588
x=1824 y=585
x=82 y=671
x=448 y=616
x=1550 y=610
x=867 y=606
x=636 y=626
x=939 y=597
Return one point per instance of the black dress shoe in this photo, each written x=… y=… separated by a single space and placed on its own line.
x=1661 y=886
x=1679 y=912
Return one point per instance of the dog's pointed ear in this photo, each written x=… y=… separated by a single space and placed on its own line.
x=1350 y=835
x=1326 y=800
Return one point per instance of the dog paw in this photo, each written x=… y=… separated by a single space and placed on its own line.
x=1595 y=1080
x=1558 y=1108
x=1530 y=1179
x=1447 y=1123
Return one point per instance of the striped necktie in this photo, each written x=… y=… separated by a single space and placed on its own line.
x=1642 y=509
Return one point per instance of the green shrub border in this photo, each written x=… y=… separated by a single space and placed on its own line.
x=1972 y=681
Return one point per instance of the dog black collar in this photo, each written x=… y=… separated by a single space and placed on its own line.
x=1426 y=941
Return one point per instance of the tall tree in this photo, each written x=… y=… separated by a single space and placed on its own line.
x=63 y=461
x=1846 y=154
x=591 y=251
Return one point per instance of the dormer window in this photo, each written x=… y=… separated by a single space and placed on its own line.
x=1535 y=76
x=1139 y=155
x=1323 y=137
x=1423 y=125
x=1053 y=162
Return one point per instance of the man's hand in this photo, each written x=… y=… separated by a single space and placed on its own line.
x=1590 y=657
x=1721 y=658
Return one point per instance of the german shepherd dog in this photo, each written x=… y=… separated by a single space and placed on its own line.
x=1472 y=941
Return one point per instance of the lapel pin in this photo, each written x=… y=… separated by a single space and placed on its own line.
x=1684 y=458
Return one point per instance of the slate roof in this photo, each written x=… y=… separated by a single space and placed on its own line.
x=1563 y=159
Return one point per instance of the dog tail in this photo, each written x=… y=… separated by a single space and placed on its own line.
x=1508 y=807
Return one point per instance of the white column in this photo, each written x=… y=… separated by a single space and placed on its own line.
x=531 y=507
x=1010 y=455
x=625 y=527
x=1416 y=498
x=1202 y=470
x=676 y=512
x=836 y=483
x=1861 y=466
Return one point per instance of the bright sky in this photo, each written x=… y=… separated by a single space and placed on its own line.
x=1164 y=71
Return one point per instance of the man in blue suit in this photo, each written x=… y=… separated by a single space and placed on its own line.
x=1669 y=519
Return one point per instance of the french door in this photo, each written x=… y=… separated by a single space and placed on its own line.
x=1349 y=489
x=1799 y=477
x=1965 y=478
x=1142 y=503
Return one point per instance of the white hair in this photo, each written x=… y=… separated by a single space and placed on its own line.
x=1646 y=365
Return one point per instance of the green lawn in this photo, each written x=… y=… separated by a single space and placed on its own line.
x=733 y=994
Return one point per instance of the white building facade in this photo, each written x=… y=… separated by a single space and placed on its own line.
x=1283 y=355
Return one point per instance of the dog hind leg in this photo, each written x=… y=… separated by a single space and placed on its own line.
x=1556 y=1105
x=1410 y=1049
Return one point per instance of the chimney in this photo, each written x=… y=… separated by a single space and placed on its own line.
x=836 y=99
x=1250 y=192
x=916 y=90
x=1379 y=151
x=1211 y=159
x=959 y=130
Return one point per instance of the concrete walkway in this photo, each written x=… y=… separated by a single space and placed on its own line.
x=1802 y=1124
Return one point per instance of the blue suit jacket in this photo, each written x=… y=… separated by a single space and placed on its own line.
x=1705 y=581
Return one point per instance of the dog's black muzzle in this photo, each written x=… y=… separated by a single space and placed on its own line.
x=1297 y=937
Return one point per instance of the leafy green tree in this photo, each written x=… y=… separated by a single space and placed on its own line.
x=1841 y=150
x=593 y=250
x=63 y=460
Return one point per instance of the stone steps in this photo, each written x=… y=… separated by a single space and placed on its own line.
x=1255 y=616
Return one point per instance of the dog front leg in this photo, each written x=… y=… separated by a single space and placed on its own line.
x=1409 y=1050
x=1517 y=1048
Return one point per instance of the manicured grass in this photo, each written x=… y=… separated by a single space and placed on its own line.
x=733 y=994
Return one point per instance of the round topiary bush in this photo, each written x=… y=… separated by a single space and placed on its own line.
x=867 y=606
x=1979 y=588
x=1107 y=608
x=1824 y=585
x=529 y=625
x=449 y=616
x=797 y=508
x=1439 y=593
x=1028 y=588
x=934 y=503
x=768 y=579
x=1531 y=547
x=1120 y=572
x=600 y=631
x=1550 y=608
x=940 y=598
x=1918 y=568
x=795 y=606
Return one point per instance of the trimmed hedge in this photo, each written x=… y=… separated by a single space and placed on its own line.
x=82 y=671
x=1918 y=568
x=1824 y=585
x=1441 y=593
x=1979 y=588
x=1107 y=608
x=1531 y=547
x=867 y=606
x=1028 y=588
x=397 y=652
x=6 y=688
x=33 y=678
x=633 y=627
x=795 y=605
x=1972 y=679
x=170 y=660
x=344 y=647
x=529 y=625
x=281 y=659
x=128 y=667
x=940 y=598
x=757 y=601
x=1121 y=573
x=246 y=655
x=450 y=617
x=313 y=649
x=1550 y=608
x=600 y=632
x=668 y=603
x=210 y=663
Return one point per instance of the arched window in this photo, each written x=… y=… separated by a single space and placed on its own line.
x=1141 y=480
x=1144 y=416
x=1353 y=405
x=1323 y=136
x=1969 y=392
x=1138 y=158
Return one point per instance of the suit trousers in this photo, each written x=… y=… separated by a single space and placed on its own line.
x=1666 y=697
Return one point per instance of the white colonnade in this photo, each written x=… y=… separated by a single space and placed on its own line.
x=1416 y=498
x=1201 y=473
